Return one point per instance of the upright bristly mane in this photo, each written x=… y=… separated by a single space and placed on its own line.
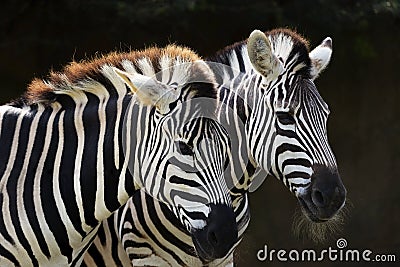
x=286 y=45
x=77 y=73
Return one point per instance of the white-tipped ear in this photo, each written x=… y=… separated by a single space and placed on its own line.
x=320 y=57
x=261 y=56
x=149 y=91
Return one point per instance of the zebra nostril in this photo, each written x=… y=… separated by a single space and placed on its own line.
x=318 y=198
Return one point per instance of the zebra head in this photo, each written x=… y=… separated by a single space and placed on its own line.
x=190 y=152
x=291 y=117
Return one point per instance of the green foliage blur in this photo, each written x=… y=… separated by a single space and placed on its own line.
x=361 y=86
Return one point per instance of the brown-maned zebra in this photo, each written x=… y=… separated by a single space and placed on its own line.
x=78 y=144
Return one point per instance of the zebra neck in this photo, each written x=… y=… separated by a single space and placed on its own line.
x=239 y=95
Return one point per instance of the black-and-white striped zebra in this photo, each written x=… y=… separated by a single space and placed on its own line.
x=266 y=84
x=146 y=233
x=76 y=146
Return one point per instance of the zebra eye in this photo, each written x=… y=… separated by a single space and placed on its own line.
x=185 y=149
x=285 y=117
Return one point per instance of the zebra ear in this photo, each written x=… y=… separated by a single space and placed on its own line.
x=261 y=56
x=149 y=91
x=320 y=57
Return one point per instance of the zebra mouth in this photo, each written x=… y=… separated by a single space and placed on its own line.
x=310 y=210
x=203 y=255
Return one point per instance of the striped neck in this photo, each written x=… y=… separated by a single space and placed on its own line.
x=239 y=93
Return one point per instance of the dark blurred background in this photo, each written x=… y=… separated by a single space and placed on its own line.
x=361 y=85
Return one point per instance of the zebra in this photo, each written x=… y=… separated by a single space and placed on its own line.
x=266 y=83
x=78 y=144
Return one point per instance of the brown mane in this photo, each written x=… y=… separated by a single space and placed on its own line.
x=41 y=90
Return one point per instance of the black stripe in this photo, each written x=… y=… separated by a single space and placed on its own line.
x=129 y=183
x=262 y=128
x=111 y=173
x=280 y=91
x=238 y=51
x=297 y=174
x=288 y=147
x=135 y=244
x=240 y=107
x=50 y=208
x=179 y=180
x=6 y=138
x=88 y=179
x=296 y=162
x=30 y=179
x=284 y=132
x=67 y=165
x=6 y=254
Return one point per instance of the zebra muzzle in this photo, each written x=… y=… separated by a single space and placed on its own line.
x=217 y=238
x=326 y=195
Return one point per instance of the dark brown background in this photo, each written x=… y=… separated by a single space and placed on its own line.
x=361 y=85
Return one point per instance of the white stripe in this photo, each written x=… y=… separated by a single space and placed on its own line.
x=299 y=181
x=122 y=194
x=119 y=86
x=73 y=236
x=101 y=212
x=233 y=61
x=80 y=101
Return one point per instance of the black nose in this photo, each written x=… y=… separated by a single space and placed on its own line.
x=328 y=192
x=324 y=198
x=217 y=238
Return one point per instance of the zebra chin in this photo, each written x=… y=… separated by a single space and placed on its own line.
x=217 y=238
x=326 y=195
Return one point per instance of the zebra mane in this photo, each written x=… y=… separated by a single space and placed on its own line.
x=286 y=45
x=78 y=73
